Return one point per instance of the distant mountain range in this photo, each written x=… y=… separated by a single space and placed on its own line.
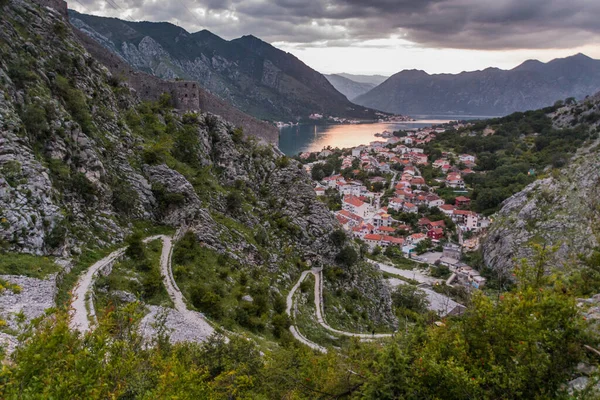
x=493 y=91
x=372 y=79
x=247 y=72
x=349 y=88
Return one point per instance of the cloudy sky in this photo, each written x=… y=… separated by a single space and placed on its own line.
x=386 y=36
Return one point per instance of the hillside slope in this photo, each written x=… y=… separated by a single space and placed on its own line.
x=560 y=211
x=84 y=163
x=531 y=85
x=247 y=72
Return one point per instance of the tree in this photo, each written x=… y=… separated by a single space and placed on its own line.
x=411 y=298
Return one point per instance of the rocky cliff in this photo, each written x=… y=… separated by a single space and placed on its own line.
x=83 y=161
x=531 y=85
x=254 y=76
x=560 y=211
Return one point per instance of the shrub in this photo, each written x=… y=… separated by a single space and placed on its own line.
x=338 y=237
x=347 y=256
x=237 y=135
x=11 y=171
x=234 y=202
x=206 y=301
x=124 y=198
x=165 y=198
x=75 y=102
x=283 y=162
x=135 y=249
x=81 y=185
x=281 y=323
x=21 y=73
x=35 y=120
x=411 y=298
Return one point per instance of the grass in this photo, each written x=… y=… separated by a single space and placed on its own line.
x=146 y=285
x=27 y=265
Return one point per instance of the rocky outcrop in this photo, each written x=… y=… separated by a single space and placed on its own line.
x=561 y=211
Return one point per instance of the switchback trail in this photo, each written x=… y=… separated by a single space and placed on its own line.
x=317 y=272
x=82 y=306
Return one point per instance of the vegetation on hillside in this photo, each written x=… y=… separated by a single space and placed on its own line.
x=522 y=345
x=511 y=152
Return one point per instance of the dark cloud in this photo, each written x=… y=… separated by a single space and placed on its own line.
x=468 y=24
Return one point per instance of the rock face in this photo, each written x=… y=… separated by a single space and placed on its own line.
x=250 y=74
x=531 y=85
x=560 y=211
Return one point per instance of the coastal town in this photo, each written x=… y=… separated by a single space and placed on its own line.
x=396 y=199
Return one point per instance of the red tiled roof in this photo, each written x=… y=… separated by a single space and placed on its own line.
x=394 y=240
x=354 y=201
x=373 y=237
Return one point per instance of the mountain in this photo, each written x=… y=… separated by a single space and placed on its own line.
x=85 y=163
x=371 y=79
x=561 y=211
x=247 y=72
x=531 y=85
x=149 y=250
x=349 y=88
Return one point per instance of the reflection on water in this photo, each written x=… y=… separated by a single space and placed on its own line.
x=301 y=138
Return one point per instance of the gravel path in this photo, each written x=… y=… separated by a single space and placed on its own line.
x=82 y=307
x=202 y=328
x=317 y=272
x=289 y=306
x=79 y=314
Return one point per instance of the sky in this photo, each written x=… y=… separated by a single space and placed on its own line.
x=386 y=36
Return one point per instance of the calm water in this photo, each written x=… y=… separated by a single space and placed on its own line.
x=301 y=138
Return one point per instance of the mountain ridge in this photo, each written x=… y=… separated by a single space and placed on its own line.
x=492 y=91
x=247 y=72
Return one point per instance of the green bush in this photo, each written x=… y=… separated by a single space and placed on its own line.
x=233 y=202
x=124 y=197
x=347 y=256
x=75 y=102
x=338 y=237
x=411 y=298
x=21 y=73
x=36 y=121
x=207 y=301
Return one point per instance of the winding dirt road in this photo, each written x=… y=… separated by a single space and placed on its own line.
x=83 y=308
x=317 y=272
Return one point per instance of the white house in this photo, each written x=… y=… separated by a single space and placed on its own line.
x=356 y=206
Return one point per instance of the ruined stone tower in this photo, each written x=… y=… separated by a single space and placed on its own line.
x=58 y=5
